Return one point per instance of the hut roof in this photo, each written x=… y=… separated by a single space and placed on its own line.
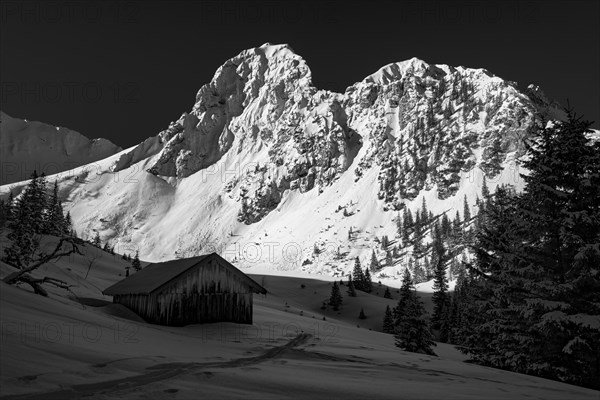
x=156 y=275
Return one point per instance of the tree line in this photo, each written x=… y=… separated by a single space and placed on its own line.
x=529 y=299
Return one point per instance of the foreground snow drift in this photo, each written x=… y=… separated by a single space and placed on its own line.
x=78 y=344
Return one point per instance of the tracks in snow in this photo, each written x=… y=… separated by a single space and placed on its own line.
x=158 y=373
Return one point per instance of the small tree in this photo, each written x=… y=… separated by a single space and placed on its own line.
x=388 y=321
x=375 y=266
x=466 y=210
x=387 y=294
x=136 y=262
x=368 y=283
x=410 y=326
x=362 y=314
x=358 y=275
x=335 y=300
x=351 y=291
x=440 y=302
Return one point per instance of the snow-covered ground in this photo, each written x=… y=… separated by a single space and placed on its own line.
x=78 y=344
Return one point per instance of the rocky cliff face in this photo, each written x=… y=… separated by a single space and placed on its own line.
x=266 y=162
x=421 y=124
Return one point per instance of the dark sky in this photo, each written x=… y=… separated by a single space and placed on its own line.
x=124 y=70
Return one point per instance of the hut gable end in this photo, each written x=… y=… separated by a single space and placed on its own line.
x=184 y=291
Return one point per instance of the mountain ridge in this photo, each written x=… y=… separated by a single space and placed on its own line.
x=263 y=156
x=28 y=145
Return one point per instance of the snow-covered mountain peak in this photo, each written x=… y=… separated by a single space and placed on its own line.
x=262 y=148
x=395 y=71
x=277 y=50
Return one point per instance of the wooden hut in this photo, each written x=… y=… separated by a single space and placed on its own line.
x=188 y=291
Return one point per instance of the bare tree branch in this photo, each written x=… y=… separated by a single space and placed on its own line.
x=56 y=254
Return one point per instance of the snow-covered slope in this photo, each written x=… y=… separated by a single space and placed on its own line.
x=28 y=145
x=274 y=174
x=78 y=344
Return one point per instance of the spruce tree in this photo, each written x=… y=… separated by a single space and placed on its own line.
x=389 y=260
x=419 y=273
x=335 y=299
x=399 y=224
x=440 y=300
x=367 y=283
x=23 y=237
x=26 y=223
x=67 y=225
x=424 y=211
x=136 y=262
x=446 y=227
x=387 y=294
x=351 y=290
x=54 y=220
x=358 y=276
x=362 y=314
x=411 y=332
x=385 y=242
x=485 y=192
x=466 y=210
x=538 y=263
x=408 y=220
x=36 y=196
x=375 y=266
x=388 y=321
x=457 y=230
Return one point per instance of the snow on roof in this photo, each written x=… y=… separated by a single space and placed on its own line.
x=156 y=275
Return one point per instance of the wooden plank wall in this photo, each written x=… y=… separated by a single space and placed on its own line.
x=206 y=293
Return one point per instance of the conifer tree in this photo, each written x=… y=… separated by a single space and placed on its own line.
x=440 y=300
x=375 y=266
x=26 y=223
x=37 y=197
x=385 y=242
x=446 y=227
x=54 y=220
x=399 y=224
x=408 y=219
x=424 y=211
x=466 y=210
x=485 y=192
x=23 y=237
x=387 y=294
x=136 y=261
x=427 y=271
x=411 y=332
x=388 y=321
x=417 y=226
x=362 y=314
x=538 y=263
x=389 y=260
x=456 y=227
x=351 y=290
x=67 y=225
x=335 y=300
x=367 y=283
x=358 y=276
